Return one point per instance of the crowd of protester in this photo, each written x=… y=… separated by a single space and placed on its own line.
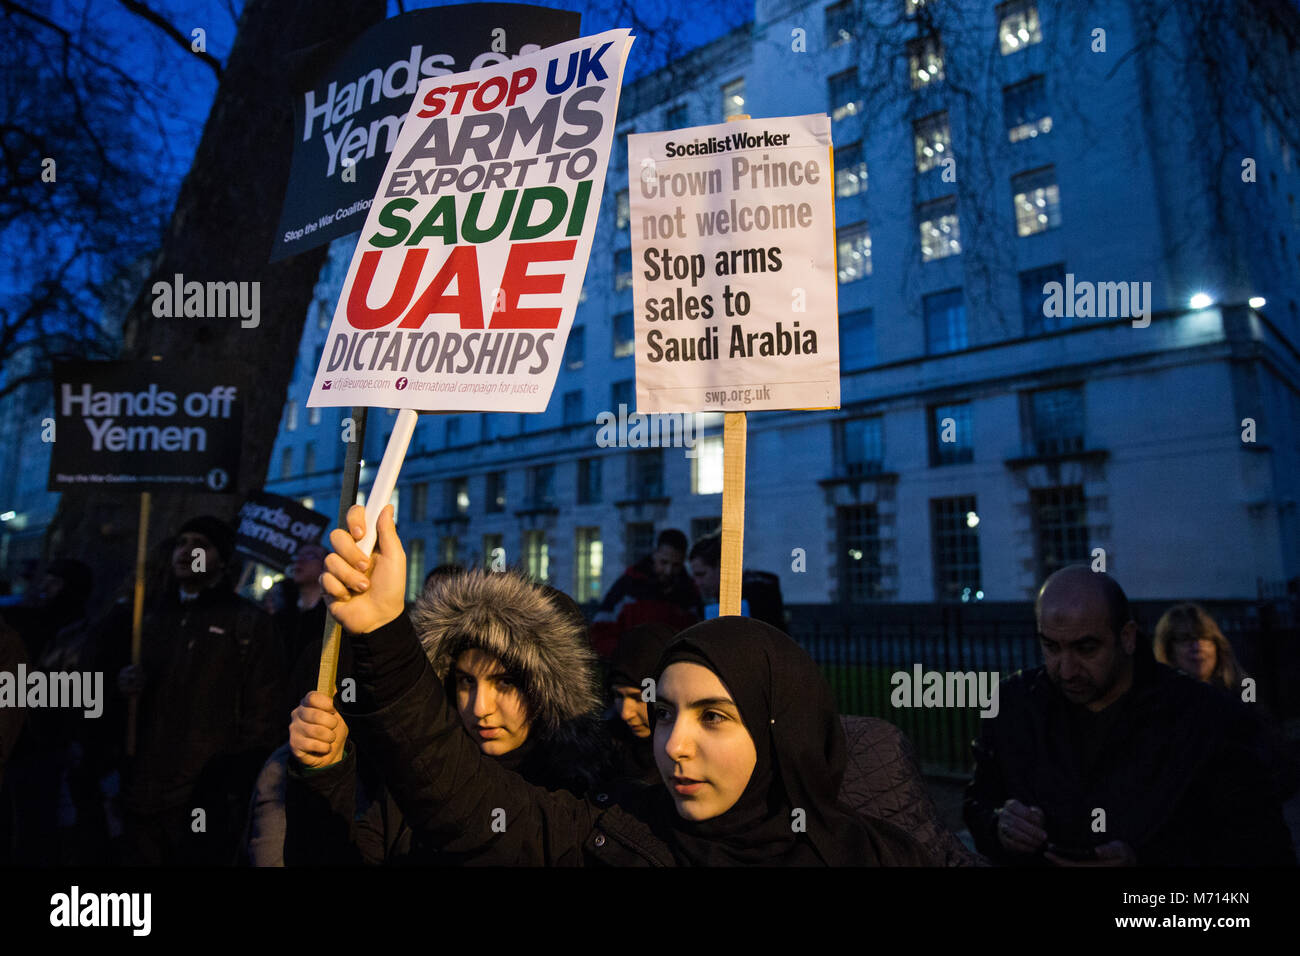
x=489 y=723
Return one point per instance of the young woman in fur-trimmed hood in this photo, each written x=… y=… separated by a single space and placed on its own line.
x=514 y=660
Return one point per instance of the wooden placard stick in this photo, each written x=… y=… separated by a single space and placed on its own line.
x=137 y=616
x=735 y=431
x=329 y=655
x=380 y=492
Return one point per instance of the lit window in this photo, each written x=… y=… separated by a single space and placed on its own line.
x=733 y=98
x=1024 y=107
x=945 y=322
x=622 y=269
x=591 y=555
x=706 y=467
x=850 y=171
x=1018 y=25
x=313 y=416
x=414 y=568
x=447 y=549
x=622 y=209
x=1037 y=201
x=291 y=416
x=940 y=230
x=623 y=335
x=932 y=138
x=537 y=558
x=853 y=253
x=493 y=549
x=925 y=61
x=845 y=94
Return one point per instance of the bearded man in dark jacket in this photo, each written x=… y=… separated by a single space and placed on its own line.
x=655 y=590
x=210 y=687
x=1104 y=757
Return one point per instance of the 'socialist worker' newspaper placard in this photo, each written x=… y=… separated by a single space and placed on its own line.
x=463 y=286
x=733 y=266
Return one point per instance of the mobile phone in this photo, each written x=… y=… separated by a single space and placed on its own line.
x=1075 y=853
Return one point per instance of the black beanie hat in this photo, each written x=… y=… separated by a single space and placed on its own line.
x=216 y=531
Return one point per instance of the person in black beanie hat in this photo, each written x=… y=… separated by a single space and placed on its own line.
x=210 y=688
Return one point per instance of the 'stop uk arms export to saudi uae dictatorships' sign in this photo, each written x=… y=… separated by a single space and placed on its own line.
x=733 y=266
x=463 y=286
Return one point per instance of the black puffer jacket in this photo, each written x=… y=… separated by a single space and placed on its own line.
x=470 y=807
x=1171 y=764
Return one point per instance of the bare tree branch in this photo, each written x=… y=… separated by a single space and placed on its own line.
x=145 y=12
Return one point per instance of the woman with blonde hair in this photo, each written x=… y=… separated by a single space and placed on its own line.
x=1187 y=638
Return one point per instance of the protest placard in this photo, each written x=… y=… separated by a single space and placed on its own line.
x=352 y=103
x=146 y=426
x=271 y=528
x=463 y=287
x=733 y=280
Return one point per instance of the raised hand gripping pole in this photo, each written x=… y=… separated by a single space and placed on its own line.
x=380 y=493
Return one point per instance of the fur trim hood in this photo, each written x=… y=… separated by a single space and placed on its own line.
x=504 y=614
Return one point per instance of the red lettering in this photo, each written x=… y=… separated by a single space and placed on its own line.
x=460 y=89
x=433 y=99
x=517 y=84
x=516 y=282
x=461 y=265
x=360 y=315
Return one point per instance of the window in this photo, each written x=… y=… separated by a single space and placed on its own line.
x=1060 y=528
x=857 y=340
x=541 y=486
x=453 y=432
x=620 y=393
x=622 y=269
x=496 y=493
x=945 y=322
x=419 y=501
x=1033 y=295
x=954 y=523
x=1037 y=200
x=588 y=481
x=572 y=407
x=638 y=540
x=678 y=116
x=622 y=209
x=845 y=94
x=624 y=341
x=704 y=526
x=853 y=252
x=951 y=442
x=286 y=462
x=733 y=98
x=620 y=148
x=494 y=552
x=940 y=230
x=1056 y=420
x=932 y=138
x=925 y=61
x=647 y=474
x=706 y=466
x=456 y=496
x=839 y=23
x=414 y=568
x=850 y=171
x=590 y=563
x=313 y=416
x=447 y=549
x=859 y=447
x=537 y=559
x=1018 y=25
x=1024 y=107
x=575 y=348
x=291 y=416
x=859 y=554
x=309 y=457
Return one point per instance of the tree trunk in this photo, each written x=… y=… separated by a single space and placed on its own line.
x=222 y=227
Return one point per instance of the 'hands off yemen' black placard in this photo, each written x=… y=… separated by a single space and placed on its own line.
x=273 y=527
x=350 y=108
x=146 y=426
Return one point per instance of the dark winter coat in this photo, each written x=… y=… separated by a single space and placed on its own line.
x=638 y=597
x=469 y=807
x=211 y=709
x=1171 y=763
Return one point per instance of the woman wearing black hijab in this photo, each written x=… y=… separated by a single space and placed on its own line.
x=745 y=735
x=633 y=668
